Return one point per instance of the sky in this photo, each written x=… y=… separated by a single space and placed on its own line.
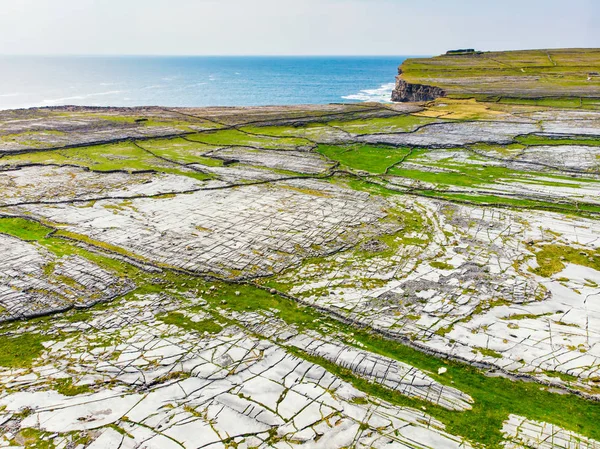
x=292 y=27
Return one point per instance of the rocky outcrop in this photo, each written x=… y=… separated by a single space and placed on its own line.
x=406 y=92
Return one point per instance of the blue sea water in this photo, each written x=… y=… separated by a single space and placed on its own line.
x=27 y=81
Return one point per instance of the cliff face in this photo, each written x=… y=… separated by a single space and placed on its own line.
x=414 y=92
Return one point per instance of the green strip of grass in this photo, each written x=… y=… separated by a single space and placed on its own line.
x=478 y=172
x=105 y=158
x=579 y=209
x=495 y=397
x=33 y=231
x=401 y=123
x=534 y=139
x=492 y=200
x=24 y=229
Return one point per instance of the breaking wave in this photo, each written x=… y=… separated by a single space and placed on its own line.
x=381 y=94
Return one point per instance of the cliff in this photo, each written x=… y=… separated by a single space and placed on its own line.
x=414 y=92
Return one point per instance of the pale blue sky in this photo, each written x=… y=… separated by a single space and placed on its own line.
x=267 y=27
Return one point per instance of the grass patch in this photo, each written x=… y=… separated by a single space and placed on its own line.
x=401 y=123
x=34 y=438
x=66 y=387
x=180 y=320
x=307 y=131
x=22 y=350
x=467 y=109
x=442 y=265
x=368 y=158
x=183 y=151
x=488 y=352
x=234 y=137
x=552 y=259
x=28 y=230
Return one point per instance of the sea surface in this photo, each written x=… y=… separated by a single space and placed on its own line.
x=27 y=81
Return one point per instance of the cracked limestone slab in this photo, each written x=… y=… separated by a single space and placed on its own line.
x=390 y=373
x=296 y=161
x=35 y=282
x=539 y=158
x=574 y=157
x=62 y=184
x=37 y=128
x=480 y=303
x=292 y=115
x=84 y=137
x=174 y=388
x=395 y=375
x=566 y=127
x=241 y=174
x=249 y=230
x=445 y=134
x=525 y=433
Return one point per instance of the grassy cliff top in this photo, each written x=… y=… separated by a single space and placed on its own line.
x=526 y=73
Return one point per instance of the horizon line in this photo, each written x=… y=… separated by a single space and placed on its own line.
x=213 y=55
x=278 y=55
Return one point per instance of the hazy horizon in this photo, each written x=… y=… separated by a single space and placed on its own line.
x=90 y=55
x=282 y=55
x=291 y=28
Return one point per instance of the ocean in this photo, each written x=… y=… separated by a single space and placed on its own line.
x=27 y=81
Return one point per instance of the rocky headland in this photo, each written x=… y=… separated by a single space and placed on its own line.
x=532 y=74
